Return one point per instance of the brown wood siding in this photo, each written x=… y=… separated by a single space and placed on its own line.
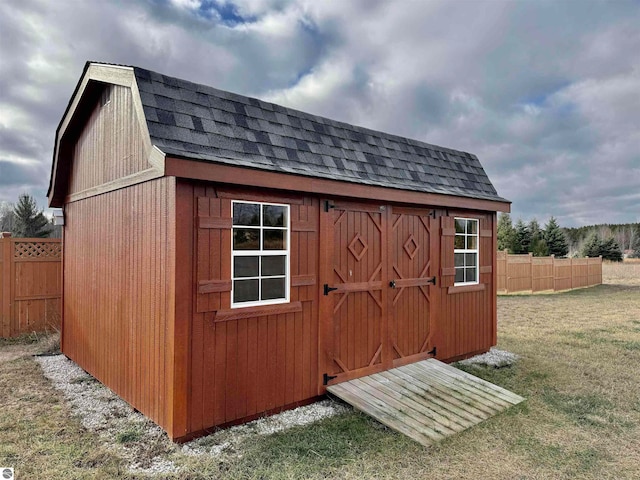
x=118 y=292
x=465 y=320
x=110 y=145
x=251 y=360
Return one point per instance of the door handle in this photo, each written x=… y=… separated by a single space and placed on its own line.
x=328 y=289
x=392 y=284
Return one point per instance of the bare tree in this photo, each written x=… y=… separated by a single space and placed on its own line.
x=6 y=217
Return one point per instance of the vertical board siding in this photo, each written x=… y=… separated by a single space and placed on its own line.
x=110 y=145
x=117 y=308
x=241 y=367
x=30 y=285
x=465 y=320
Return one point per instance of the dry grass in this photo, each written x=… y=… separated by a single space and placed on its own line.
x=627 y=272
x=580 y=355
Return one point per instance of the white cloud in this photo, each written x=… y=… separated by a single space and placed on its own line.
x=544 y=93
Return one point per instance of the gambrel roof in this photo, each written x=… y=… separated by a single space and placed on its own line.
x=192 y=121
x=196 y=121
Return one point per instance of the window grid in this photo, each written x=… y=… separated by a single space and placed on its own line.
x=466 y=251
x=260 y=253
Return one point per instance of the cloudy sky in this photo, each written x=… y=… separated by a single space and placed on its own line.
x=546 y=93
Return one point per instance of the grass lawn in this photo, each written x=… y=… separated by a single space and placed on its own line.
x=580 y=373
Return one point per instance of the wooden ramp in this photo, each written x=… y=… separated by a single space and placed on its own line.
x=427 y=400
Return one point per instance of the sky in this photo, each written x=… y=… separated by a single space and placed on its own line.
x=545 y=93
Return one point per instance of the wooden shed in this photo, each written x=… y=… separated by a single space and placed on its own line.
x=226 y=258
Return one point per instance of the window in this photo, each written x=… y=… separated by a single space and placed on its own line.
x=466 y=251
x=260 y=254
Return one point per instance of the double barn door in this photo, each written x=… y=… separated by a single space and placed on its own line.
x=377 y=271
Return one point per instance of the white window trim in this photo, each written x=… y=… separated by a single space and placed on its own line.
x=469 y=250
x=262 y=253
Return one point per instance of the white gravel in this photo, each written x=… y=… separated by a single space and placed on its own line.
x=102 y=411
x=493 y=358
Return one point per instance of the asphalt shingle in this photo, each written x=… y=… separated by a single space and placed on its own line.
x=202 y=122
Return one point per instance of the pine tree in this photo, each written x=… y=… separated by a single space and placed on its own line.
x=591 y=247
x=610 y=250
x=538 y=246
x=506 y=233
x=555 y=238
x=522 y=242
x=28 y=221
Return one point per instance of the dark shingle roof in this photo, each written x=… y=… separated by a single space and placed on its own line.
x=199 y=122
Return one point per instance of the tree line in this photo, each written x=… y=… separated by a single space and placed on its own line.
x=609 y=241
x=26 y=220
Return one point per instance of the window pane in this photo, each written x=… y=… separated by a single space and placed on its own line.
x=273 y=265
x=459 y=242
x=459 y=259
x=472 y=242
x=471 y=259
x=471 y=275
x=274 y=216
x=472 y=226
x=246 y=239
x=245 y=290
x=246 y=214
x=245 y=267
x=273 y=288
x=460 y=225
x=459 y=275
x=274 y=240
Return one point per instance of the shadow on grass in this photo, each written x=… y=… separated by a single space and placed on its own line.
x=303 y=452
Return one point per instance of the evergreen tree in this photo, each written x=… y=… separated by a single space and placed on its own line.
x=506 y=233
x=610 y=250
x=522 y=242
x=591 y=247
x=28 y=221
x=539 y=248
x=555 y=238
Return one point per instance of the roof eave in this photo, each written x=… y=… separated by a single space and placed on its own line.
x=194 y=169
x=92 y=72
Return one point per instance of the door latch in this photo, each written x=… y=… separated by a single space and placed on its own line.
x=328 y=289
x=392 y=284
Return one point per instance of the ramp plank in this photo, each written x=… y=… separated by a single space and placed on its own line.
x=426 y=400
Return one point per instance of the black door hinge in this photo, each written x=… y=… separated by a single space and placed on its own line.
x=328 y=205
x=432 y=352
x=326 y=378
x=432 y=281
x=328 y=289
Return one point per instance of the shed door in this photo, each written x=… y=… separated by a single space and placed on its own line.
x=356 y=292
x=411 y=271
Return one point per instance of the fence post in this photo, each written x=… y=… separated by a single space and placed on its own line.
x=506 y=270
x=553 y=270
x=531 y=269
x=5 y=295
x=571 y=260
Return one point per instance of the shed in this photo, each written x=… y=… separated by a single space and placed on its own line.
x=226 y=257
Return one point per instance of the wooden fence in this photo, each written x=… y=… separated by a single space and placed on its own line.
x=30 y=285
x=526 y=273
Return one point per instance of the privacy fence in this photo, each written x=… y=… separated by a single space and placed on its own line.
x=526 y=273
x=30 y=285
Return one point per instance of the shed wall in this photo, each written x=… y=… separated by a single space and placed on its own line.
x=251 y=360
x=467 y=315
x=110 y=145
x=119 y=293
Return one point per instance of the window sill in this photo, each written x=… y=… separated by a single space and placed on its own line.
x=257 y=311
x=466 y=288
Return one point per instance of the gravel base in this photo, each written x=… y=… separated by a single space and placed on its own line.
x=102 y=411
x=493 y=358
